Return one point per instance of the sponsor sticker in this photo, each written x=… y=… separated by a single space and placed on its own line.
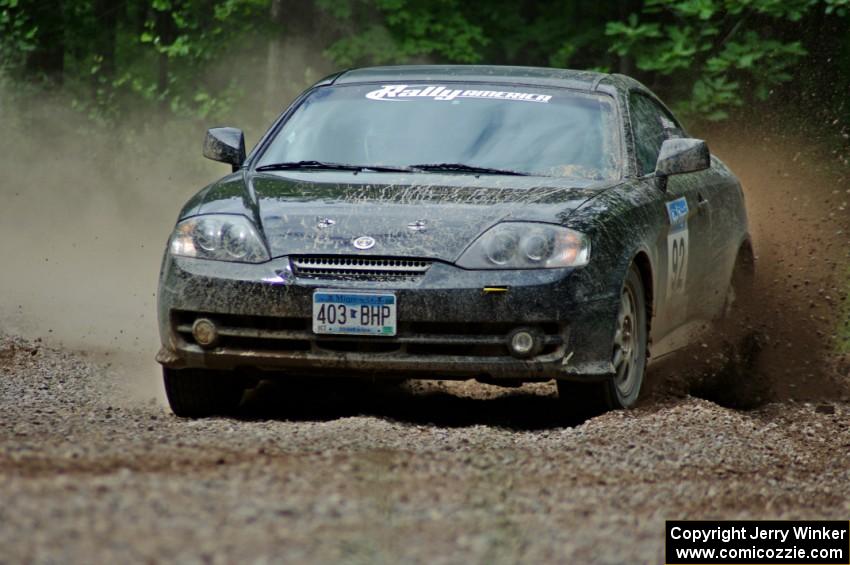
x=677 y=211
x=404 y=92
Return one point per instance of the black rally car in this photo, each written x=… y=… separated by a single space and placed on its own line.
x=501 y=223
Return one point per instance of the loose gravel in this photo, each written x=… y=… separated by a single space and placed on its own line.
x=426 y=472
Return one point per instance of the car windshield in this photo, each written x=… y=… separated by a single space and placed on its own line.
x=450 y=127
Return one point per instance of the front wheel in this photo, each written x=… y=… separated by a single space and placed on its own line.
x=197 y=393
x=628 y=357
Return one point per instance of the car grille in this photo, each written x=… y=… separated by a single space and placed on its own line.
x=357 y=268
x=272 y=334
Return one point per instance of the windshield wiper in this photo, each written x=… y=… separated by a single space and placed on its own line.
x=462 y=168
x=325 y=166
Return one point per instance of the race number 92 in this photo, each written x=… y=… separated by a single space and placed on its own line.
x=677 y=261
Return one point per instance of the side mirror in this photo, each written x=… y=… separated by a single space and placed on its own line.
x=682 y=155
x=226 y=145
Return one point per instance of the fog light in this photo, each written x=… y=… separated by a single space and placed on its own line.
x=525 y=342
x=205 y=332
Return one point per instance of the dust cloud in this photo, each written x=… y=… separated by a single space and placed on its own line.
x=86 y=210
x=84 y=219
x=83 y=222
x=798 y=202
x=85 y=214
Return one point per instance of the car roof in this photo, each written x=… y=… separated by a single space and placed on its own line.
x=542 y=76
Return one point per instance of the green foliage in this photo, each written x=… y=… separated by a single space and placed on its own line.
x=838 y=7
x=729 y=51
x=18 y=35
x=630 y=34
x=706 y=56
x=187 y=36
x=153 y=52
x=408 y=30
x=709 y=56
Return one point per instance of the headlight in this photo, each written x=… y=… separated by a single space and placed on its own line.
x=526 y=245
x=219 y=237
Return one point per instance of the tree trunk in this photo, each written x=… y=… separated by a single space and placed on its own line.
x=48 y=57
x=106 y=13
x=273 y=66
x=625 y=62
x=164 y=27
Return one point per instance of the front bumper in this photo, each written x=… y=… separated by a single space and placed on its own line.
x=448 y=327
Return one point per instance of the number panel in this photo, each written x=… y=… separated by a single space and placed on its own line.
x=677 y=262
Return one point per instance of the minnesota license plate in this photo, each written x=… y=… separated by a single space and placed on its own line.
x=359 y=313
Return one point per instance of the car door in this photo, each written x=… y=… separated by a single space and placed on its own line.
x=724 y=202
x=684 y=238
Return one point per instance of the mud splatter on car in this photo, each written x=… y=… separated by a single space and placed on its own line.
x=503 y=223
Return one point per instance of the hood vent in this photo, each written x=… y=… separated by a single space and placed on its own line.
x=336 y=267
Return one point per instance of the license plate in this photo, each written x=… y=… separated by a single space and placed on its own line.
x=358 y=313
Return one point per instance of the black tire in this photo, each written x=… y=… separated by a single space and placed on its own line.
x=734 y=329
x=197 y=393
x=734 y=315
x=733 y=379
x=629 y=358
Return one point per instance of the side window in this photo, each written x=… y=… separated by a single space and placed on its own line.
x=651 y=126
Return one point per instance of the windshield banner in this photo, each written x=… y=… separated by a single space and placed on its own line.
x=401 y=93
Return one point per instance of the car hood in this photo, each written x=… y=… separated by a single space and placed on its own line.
x=413 y=215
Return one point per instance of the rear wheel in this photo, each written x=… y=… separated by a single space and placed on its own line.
x=196 y=393
x=733 y=378
x=740 y=291
x=628 y=358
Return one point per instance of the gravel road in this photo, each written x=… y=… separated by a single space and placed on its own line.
x=436 y=473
